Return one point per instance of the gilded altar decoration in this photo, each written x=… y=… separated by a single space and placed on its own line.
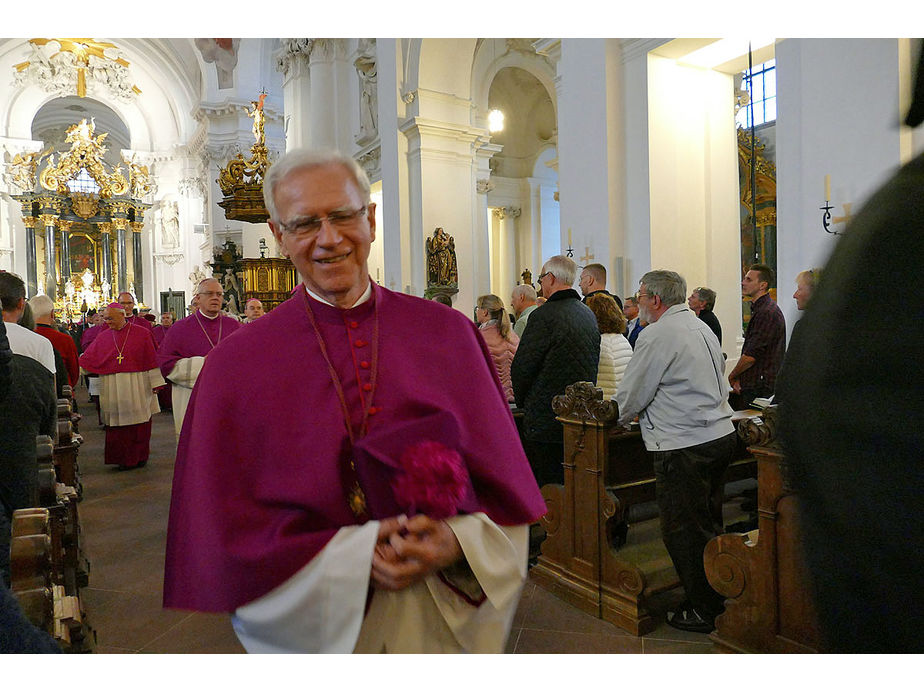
x=139 y=178
x=241 y=181
x=87 y=215
x=67 y=66
x=86 y=153
x=23 y=169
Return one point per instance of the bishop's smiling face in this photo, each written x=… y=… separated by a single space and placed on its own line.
x=332 y=260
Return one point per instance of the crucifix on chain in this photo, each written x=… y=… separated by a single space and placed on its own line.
x=587 y=257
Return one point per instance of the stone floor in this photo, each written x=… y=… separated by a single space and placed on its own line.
x=123 y=519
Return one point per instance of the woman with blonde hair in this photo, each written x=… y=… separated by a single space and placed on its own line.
x=502 y=341
x=615 y=350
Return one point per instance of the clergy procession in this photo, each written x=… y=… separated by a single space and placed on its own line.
x=368 y=444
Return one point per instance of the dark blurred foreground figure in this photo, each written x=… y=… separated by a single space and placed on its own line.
x=850 y=410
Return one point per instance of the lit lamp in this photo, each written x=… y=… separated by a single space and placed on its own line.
x=495 y=120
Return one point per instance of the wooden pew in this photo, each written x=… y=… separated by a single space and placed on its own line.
x=67 y=444
x=46 y=564
x=768 y=607
x=585 y=559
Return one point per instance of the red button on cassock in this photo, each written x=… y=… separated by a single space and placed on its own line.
x=359 y=343
x=354 y=324
x=363 y=364
x=367 y=387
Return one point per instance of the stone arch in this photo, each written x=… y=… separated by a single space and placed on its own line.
x=439 y=67
x=492 y=56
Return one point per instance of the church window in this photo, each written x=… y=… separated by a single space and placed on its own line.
x=83 y=183
x=762 y=90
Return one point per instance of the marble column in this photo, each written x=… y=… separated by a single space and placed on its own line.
x=31 y=260
x=330 y=115
x=292 y=62
x=105 y=229
x=51 y=281
x=120 y=225
x=64 y=226
x=137 y=263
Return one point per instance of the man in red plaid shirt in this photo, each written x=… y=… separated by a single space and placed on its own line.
x=764 y=342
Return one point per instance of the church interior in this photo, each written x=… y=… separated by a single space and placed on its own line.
x=135 y=165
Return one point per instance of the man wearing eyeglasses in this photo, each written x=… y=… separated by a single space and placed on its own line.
x=348 y=519
x=189 y=341
x=676 y=386
x=560 y=346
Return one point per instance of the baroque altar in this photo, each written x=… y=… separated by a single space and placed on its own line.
x=83 y=222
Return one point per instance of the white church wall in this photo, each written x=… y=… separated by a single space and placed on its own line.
x=837 y=115
x=583 y=155
x=694 y=183
x=395 y=241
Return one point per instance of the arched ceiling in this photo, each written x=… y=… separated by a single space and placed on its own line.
x=56 y=116
x=529 y=121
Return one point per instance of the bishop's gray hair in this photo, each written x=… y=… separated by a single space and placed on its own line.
x=300 y=159
x=670 y=286
x=562 y=268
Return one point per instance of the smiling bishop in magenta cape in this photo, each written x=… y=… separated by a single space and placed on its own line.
x=261 y=510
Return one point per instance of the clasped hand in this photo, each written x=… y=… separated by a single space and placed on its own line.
x=408 y=550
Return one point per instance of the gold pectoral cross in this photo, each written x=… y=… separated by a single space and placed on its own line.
x=119 y=358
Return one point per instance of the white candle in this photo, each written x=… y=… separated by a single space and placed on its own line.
x=827 y=187
x=569 y=238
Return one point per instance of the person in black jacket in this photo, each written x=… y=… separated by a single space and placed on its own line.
x=560 y=346
x=702 y=302
x=593 y=281
x=850 y=424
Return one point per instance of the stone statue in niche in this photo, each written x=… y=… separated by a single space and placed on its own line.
x=232 y=288
x=442 y=269
x=196 y=276
x=170 y=224
x=368 y=97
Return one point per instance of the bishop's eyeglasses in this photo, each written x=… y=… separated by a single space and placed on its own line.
x=339 y=219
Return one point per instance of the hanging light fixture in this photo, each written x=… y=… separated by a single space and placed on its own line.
x=495 y=120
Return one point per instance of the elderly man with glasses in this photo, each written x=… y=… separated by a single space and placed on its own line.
x=187 y=343
x=560 y=346
x=675 y=385
x=349 y=478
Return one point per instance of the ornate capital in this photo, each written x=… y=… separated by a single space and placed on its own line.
x=293 y=49
x=327 y=49
x=136 y=226
x=65 y=225
x=29 y=222
x=48 y=219
x=105 y=227
x=484 y=186
x=409 y=96
x=370 y=161
x=513 y=212
x=119 y=223
x=585 y=402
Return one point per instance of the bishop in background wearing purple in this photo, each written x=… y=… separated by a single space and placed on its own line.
x=383 y=502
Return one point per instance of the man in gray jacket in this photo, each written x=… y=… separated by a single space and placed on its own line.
x=675 y=384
